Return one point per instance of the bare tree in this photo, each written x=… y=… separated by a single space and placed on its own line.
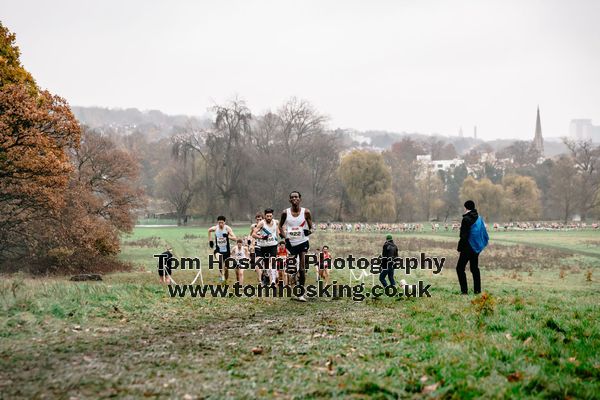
x=222 y=148
x=586 y=157
x=177 y=185
x=299 y=122
x=563 y=187
x=322 y=162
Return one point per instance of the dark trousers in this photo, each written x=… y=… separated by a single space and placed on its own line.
x=468 y=256
x=387 y=271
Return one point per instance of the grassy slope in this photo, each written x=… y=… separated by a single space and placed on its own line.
x=125 y=337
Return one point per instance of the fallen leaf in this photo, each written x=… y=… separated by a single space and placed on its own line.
x=257 y=350
x=508 y=336
x=430 y=388
x=528 y=340
x=424 y=378
x=515 y=377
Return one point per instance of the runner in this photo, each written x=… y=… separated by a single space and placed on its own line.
x=253 y=246
x=239 y=252
x=223 y=235
x=265 y=233
x=323 y=270
x=298 y=225
x=318 y=270
x=282 y=255
x=164 y=266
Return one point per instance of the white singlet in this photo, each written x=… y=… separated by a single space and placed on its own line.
x=294 y=227
x=239 y=253
x=271 y=231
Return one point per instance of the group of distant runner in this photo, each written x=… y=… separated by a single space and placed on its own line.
x=269 y=239
x=450 y=227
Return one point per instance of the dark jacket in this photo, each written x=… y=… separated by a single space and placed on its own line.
x=390 y=251
x=166 y=263
x=465 y=229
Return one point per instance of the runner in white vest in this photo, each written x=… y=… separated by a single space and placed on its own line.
x=223 y=234
x=253 y=244
x=240 y=252
x=265 y=233
x=295 y=226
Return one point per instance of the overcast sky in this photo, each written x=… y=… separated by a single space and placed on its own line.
x=417 y=66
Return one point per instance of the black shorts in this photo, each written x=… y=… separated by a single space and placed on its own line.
x=299 y=248
x=225 y=255
x=267 y=251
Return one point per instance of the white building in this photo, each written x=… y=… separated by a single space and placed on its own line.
x=437 y=165
x=445 y=165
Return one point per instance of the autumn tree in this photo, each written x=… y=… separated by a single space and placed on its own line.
x=367 y=180
x=522 y=198
x=100 y=203
x=11 y=70
x=488 y=197
x=64 y=198
x=36 y=130
x=430 y=190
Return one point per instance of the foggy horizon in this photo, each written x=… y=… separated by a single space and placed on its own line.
x=426 y=67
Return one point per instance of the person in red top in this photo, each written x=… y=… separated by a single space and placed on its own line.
x=282 y=255
x=323 y=267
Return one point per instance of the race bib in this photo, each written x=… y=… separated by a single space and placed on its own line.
x=295 y=232
x=221 y=241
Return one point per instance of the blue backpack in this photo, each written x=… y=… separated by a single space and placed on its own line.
x=478 y=237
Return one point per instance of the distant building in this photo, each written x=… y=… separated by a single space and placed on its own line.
x=583 y=129
x=460 y=132
x=437 y=165
x=489 y=157
x=445 y=165
x=538 y=140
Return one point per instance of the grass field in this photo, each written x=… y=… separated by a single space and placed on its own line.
x=536 y=334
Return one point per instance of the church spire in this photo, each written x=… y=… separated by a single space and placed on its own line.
x=538 y=140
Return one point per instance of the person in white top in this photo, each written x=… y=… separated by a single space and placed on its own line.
x=295 y=226
x=223 y=234
x=240 y=252
x=265 y=233
x=253 y=246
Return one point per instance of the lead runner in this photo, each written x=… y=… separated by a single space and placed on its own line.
x=295 y=226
